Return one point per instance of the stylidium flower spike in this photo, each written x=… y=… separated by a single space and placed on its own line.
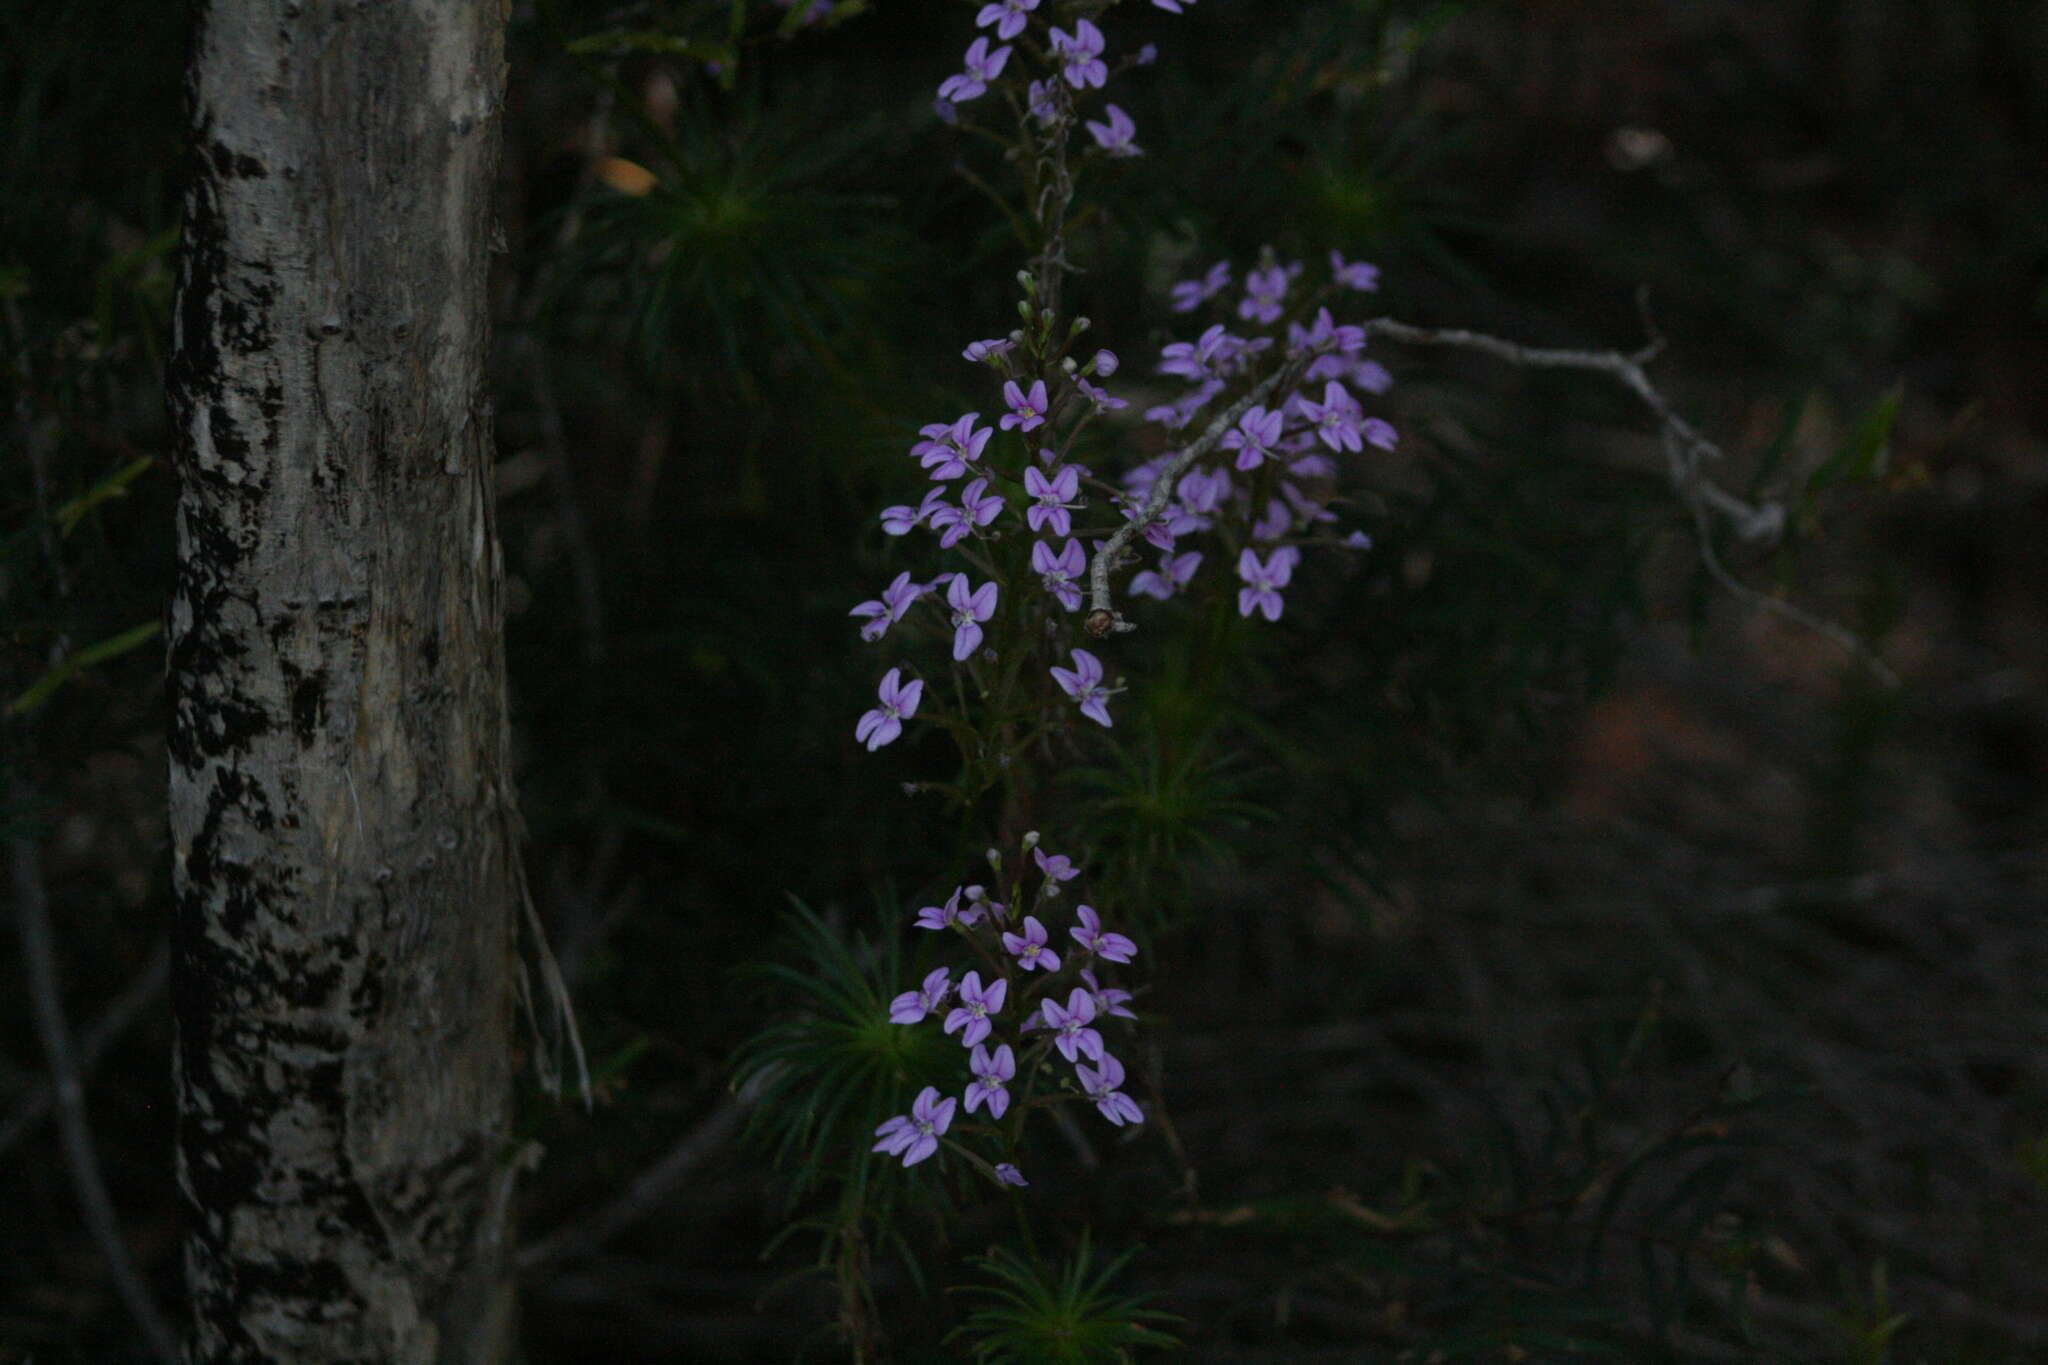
x=899 y=702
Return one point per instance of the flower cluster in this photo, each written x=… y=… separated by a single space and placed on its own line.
x=1041 y=998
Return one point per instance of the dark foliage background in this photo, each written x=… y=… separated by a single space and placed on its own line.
x=1554 y=961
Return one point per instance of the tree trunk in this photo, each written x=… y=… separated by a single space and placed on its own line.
x=341 y=809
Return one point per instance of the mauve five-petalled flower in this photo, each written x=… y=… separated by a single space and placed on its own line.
x=970 y=609
x=992 y=1071
x=1264 y=579
x=885 y=722
x=1052 y=499
x=1057 y=867
x=1069 y=1024
x=1007 y=16
x=888 y=609
x=915 y=1136
x=1114 y=137
x=1058 y=572
x=1255 y=435
x=978 y=507
x=1083 y=682
x=983 y=66
x=1088 y=933
x=1081 y=55
x=1029 y=947
x=1027 y=410
x=1101 y=1083
x=977 y=1003
x=911 y=1007
x=899 y=521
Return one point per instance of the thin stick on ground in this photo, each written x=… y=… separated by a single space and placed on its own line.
x=39 y=960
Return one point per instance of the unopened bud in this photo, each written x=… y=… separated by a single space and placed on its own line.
x=995 y=860
x=1030 y=840
x=1080 y=325
x=1027 y=283
x=1067 y=364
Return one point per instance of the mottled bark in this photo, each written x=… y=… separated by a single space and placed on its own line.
x=345 y=867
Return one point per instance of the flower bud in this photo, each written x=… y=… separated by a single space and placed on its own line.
x=1030 y=840
x=995 y=860
x=1067 y=364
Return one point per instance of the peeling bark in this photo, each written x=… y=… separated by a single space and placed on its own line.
x=345 y=857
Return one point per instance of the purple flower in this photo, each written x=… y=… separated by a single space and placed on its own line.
x=1083 y=54
x=898 y=521
x=1057 y=867
x=990 y=1075
x=977 y=508
x=1104 y=363
x=1043 y=99
x=969 y=611
x=1058 y=572
x=1195 y=359
x=947 y=915
x=1071 y=1034
x=1174 y=572
x=1254 y=436
x=1189 y=295
x=1103 y=400
x=1108 y=999
x=1335 y=418
x=889 y=609
x=988 y=350
x=1009 y=1174
x=1202 y=491
x=1114 y=137
x=1027 y=411
x=899 y=702
x=1007 y=16
x=1108 y=947
x=948 y=452
x=916 y=1136
x=1100 y=1085
x=1182 y=410
x=1307 y=511
x=983 y=66
x=1264 y=293
x=1029 y=947
x=1324 y=336
x=1358 y=540
x=978 y=903
x=1053 y=500
x=1264 y=581
x=1275 y=523
x=1083 y=682
x=1172 y=6
x=1378 y=433
x=970 y=1016
x=1355 y=274
x=912 y=1006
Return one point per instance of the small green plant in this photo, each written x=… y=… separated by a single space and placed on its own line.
x=1033 y=1314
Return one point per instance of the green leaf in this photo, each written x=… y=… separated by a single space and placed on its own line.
x=115 y=485
x=42 y=689
x=1863 y=455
